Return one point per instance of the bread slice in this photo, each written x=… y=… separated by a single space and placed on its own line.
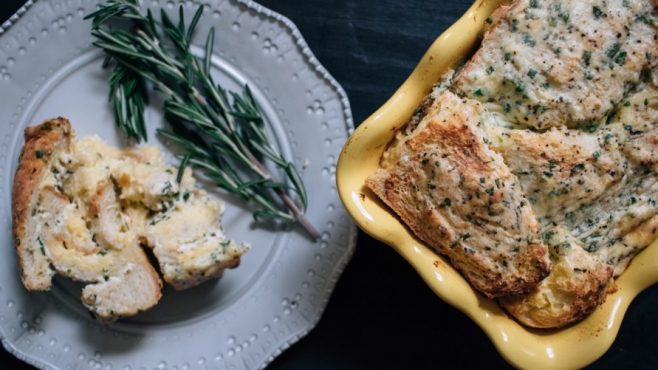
x=86 y=210
x=460 y=198
x=189 y=243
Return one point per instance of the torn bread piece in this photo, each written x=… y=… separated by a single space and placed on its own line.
x=189 y=243
x=578 y=283
x=458 y=196
x=85 y=210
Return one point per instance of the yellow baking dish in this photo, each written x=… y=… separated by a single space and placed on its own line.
x=574 y=346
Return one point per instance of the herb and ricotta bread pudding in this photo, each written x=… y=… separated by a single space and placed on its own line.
x=562 y=99
x=86 y=210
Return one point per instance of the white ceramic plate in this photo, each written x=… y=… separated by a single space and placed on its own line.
x=48 y=68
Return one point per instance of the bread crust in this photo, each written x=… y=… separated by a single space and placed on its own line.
x=41 y=143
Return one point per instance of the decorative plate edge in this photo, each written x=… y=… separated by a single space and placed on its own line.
x=10 y=22
x=38 y=363
x=295 y=337
x=299 y=39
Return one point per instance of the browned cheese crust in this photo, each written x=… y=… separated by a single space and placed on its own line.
x=459 y=197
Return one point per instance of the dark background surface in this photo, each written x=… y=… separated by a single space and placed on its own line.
x=381 y=314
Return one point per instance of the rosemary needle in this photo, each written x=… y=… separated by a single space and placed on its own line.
x=222 y=133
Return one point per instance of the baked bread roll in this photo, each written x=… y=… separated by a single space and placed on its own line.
x=86 y=210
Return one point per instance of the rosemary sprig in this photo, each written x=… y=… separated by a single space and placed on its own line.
x=215 y=134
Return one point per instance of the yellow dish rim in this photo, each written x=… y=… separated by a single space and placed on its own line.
x=574 y=346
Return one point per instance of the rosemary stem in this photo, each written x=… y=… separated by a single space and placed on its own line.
x=301 y=218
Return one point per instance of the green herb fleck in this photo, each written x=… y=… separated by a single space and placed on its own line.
x=529 y=40
x=621 y=58
x=577 y=168
x=613 y=50
x=446 y=203
x=572 y=217
x=597 y=12
x=532 y=73
x=490 y=70
x=585 y=58
x=588 y=75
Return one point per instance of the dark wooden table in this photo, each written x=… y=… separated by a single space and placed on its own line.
x=381 y=314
